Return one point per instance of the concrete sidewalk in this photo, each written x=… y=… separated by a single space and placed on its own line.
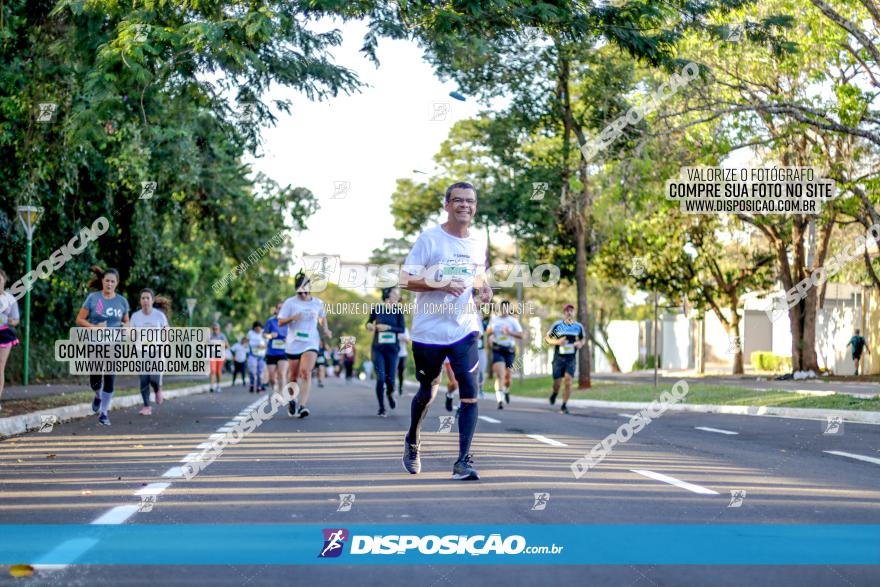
x=33 y=390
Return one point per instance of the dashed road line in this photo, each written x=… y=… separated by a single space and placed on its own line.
x=717 y=430
x=673 y=481
x=546 y=440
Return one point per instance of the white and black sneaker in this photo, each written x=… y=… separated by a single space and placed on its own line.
x=411 y=461
x=507 y=396
x=381 y=413
x=304 y=412
x=291 y=408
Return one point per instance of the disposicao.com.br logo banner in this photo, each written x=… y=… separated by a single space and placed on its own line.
x=417 y=544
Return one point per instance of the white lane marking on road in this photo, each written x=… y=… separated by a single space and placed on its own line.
x=674 y=481
x=490 y=420
x=853 y=456
x=627 y=415
x=173 y=472
x=117 y=515
x=71 y=550
x=153 y=489
x=718 y=430
x=546 y=440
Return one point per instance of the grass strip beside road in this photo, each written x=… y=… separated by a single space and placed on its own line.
x=698 y=393
x=17 y=407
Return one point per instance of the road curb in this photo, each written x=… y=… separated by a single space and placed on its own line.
x=855 y=416
x=23 y=423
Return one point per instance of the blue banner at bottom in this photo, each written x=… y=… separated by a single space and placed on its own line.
x=298 y=544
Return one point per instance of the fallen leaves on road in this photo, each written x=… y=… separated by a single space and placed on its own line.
x=51 y=456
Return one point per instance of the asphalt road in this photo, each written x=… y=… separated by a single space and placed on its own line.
x=292 y=471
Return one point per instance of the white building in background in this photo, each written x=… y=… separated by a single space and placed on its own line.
x=680 y=336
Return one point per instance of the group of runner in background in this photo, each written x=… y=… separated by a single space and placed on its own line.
x=289 y=347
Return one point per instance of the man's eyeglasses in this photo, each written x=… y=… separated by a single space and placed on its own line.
x=459 y=201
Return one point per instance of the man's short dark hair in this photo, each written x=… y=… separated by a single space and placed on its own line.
x=461 y=185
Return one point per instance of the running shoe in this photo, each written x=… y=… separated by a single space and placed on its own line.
x=463 y=471
x=482 y=395
x=382 y=414
x=291 y=408
x=96 y=404
x=500 y=405
x=553 y=397
x=146 y=411
x=251 y=389
x=448 y=403
x=159 y=398
x=391 y=403
x=320 y=384
x=411 y=461
x=211 y=389
x=304 y=412
x=103 y=420
x=564 y=409
x=507 y=396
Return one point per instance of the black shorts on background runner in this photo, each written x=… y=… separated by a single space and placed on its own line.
x=504 y=355
x=563 y=364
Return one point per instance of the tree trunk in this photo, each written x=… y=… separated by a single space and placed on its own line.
x=733 y=330
x=581 y=283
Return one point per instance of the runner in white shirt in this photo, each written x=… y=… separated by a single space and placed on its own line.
x=150 y=316
x=9 y=318
x=445 y=268
x=302 y=314
x=502 y=331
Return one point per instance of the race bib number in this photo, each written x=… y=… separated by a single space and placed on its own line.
x=302 y=335
x=465 y=273
x=278 y=343
x=502 y=340
x=387 y=338
x=567 y=349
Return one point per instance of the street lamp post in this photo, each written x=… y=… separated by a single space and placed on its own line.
x=190 y=306
x=29 y=216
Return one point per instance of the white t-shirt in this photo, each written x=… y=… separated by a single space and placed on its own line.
x=302 y=334
x=497 y=324
x=239 y=352
x=155 y=319
x=403 y=345
x=8 y=309
x=257 y=343
x=439 y=317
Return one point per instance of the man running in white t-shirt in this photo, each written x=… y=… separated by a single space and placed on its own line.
x=445 y=268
